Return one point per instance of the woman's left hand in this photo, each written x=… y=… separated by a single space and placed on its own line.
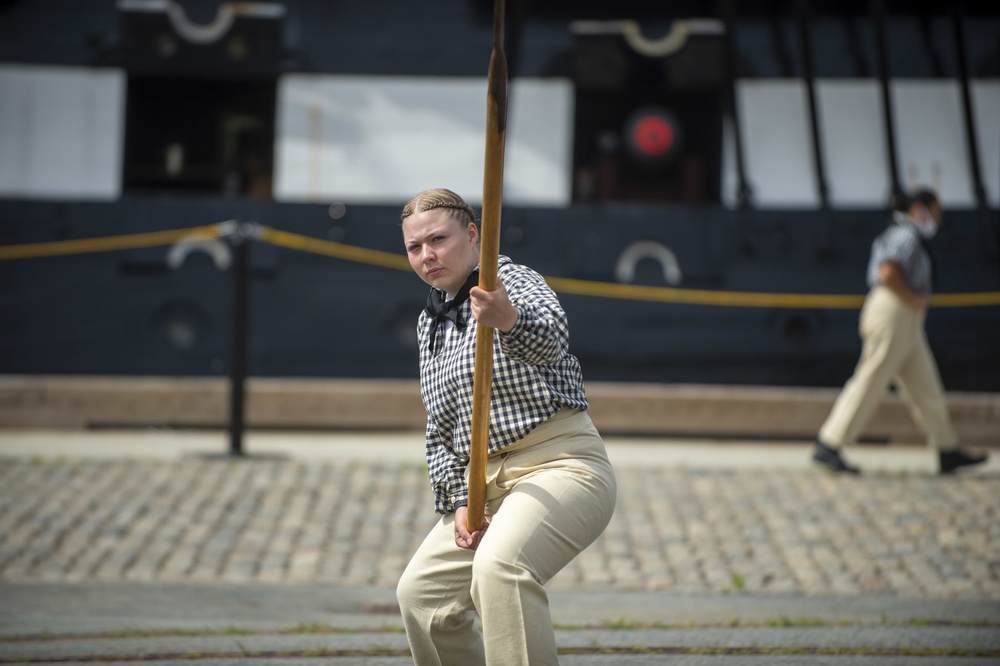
x=493 y=308
x=463 y=537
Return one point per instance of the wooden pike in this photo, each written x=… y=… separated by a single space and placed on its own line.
x=489 y=252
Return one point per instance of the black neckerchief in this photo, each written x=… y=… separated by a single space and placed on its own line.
x=441 y=310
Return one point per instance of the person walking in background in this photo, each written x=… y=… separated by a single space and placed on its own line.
x=895 y=349
x=550 y=488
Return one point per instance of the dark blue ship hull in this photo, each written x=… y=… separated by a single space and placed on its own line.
x=172 y=166
x=127 y=312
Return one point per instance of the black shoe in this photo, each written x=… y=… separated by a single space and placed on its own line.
x=952 y=460
x=830 y=459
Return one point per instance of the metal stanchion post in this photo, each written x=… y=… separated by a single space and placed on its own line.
x=240 y=240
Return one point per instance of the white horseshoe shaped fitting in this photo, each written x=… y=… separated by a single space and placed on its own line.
x=639 y=250
x=213 y=247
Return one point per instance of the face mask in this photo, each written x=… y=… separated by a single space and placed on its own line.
x=925 y=226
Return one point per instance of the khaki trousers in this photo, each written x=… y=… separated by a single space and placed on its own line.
x=549 y=496
x=894 y=349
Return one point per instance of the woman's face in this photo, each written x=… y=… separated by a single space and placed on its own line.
x=441 y=250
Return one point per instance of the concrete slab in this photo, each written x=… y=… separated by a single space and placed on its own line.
x=759 y=412
x=407 y=447
x=90 y=621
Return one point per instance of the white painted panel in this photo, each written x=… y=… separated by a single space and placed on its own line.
x=931 y=143
x=777 y=153
x=61 y=132
x=14 y=109
x=539 y=146
x=986 y=107
x=852 y=136
x=930 y=139
x=383 y=139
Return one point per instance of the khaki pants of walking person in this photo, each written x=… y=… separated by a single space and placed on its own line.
x=548 y=497
x=894 y=349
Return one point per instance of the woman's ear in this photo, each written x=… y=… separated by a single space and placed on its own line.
x=473 y=232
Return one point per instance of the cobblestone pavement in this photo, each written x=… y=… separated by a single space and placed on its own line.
x=678 y=528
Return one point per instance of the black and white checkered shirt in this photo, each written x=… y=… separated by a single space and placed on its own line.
x=534 y=375
x=900 y=243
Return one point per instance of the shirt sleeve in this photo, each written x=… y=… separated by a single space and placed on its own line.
x=896 y=245
x=447 y=472
x=541 y=334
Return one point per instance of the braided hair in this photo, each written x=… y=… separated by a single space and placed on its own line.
x=442 y=198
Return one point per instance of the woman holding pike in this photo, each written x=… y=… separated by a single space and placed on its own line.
x=550 y=489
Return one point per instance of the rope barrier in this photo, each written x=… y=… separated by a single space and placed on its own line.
x=703 y=296
x=107 y=243
x=972 y=299
x=361 y=255
x=293 y=241
x=750 y=298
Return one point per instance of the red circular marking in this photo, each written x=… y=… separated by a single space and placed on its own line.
x=653 y=135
